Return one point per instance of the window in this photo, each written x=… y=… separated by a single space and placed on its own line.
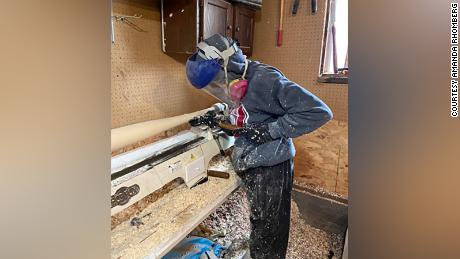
x=334 y=58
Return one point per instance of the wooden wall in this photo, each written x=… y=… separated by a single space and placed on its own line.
x=322 y=156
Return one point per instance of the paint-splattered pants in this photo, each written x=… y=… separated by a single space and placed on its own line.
x=269 y=194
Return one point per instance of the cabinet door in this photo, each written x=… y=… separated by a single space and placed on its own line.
x=217 y=18
x=180 y=25
x=244 y=27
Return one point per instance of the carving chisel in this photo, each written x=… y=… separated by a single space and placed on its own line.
x=216 y=138
x=314 y=6
x=295 y=7
x=219 y=174
x=229 y=127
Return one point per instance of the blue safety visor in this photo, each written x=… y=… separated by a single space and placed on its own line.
x=201 y=72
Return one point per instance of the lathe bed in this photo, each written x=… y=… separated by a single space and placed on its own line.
x=169 y=219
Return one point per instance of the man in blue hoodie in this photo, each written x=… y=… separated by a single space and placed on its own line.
x=270 y=110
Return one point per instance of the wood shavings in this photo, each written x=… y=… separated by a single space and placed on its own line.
x=137 y=207
x=229 y=223
x=231 y=220
x=308 y=242
x=172 y=217
x=221 y=163
x=305 y=241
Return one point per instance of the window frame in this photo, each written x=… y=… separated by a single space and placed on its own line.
x=337 y=78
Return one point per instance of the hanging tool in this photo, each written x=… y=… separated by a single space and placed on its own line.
x=280 y=28
x=314 y=6
x=295 y=7
x=216 y=138
x=125 y=19
x=133 y=25
x=334 y=49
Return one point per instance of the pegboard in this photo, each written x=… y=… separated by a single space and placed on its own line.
x=299 y=56
x=146 y=83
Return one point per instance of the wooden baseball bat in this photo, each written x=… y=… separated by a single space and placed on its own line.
x=130 y=134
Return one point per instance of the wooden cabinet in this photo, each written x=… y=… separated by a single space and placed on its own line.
x=186 y=22
x=179 y=25
x=218 y=18
x=244 y=27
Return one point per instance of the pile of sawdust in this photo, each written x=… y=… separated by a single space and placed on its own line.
x=168 y=218
x=306 y=241
x=137 y=207
x=230 y=225
x=221 y=163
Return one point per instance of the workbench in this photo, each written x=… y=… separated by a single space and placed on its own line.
x=171 y=218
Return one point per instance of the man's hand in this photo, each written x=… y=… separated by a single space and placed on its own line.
x=209 y=119
x=255 y=133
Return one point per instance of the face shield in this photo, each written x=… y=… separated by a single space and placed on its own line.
x=229 y=93
x=220 y=92
x=207 y=70
x=208 y=75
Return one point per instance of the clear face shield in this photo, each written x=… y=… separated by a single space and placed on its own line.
x=219 y=89
x=228 y=92
x=207 y=70
x=220 y=92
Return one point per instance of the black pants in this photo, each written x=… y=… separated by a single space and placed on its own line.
x=269 y=194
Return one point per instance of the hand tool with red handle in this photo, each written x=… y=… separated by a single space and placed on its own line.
x=280 y=28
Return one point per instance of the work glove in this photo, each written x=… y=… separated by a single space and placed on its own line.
x=255 y=133
x=209 y=119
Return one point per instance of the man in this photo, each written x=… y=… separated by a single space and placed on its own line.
x=270 y=110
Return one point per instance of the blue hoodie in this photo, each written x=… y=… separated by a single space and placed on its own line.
x=288 y=109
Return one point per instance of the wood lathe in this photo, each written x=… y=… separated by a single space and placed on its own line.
x=142 y=171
